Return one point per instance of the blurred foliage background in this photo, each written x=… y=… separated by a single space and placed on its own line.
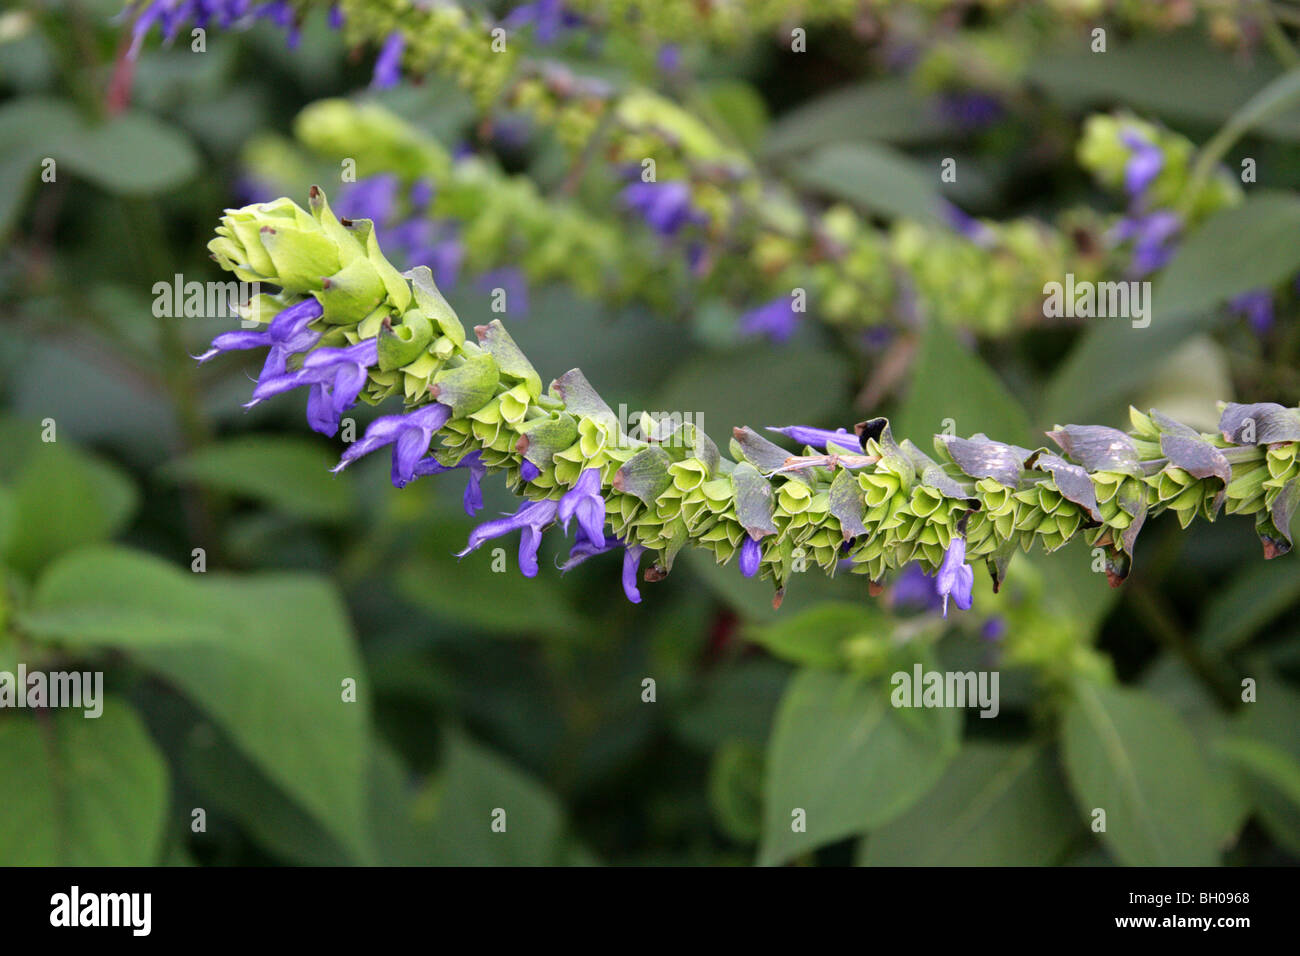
x=477 y=690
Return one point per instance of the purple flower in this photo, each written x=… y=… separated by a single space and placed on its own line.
x=388 y=65
x=956 y=577
x=632 y=564
x=512 y=282
x=528 y=471
x=1152 y=237
x=409 y=435
x=751 y=552
x=445 y=259
x=584 y=548
x=549 y=19
x=669 y=58
x=421 y=194
x=287 y=335
x=666 y=207
x=1257 y=306
x=967 y=225
x=473 y=499
x=820 y=437
x=776 y=319
x=1144 y=164
x=374 y=197
x=584 y=500
x=336 y=17
x=994 y=628
x=336 y=377
x=531 y=519
x=914 y=590
x=970 y=109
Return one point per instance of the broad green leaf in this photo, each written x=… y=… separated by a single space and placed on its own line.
x=1110 y=365
x=850 y=760
x=62 y=498
x=1130 y=755
x=467 y=590
x=884 y=110
x=1269 y=753
x=736 y=702
x=1149 y=75
x=758 y=387
x=945 y=369
x=998 y=805
x=265 y=656
x=1246 y=247
x=1239 y=611
x=452 y=817
x=133 y=154
x=817 y=636
x=104 y=596
x=285 y=473
x=875 y=178
x=81 y=791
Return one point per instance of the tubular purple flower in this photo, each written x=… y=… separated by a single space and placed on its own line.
x=1152 y=237
x=956 y=577
x=511 y=281
x=666 y=207
x=1257 y=307
x=776 y=319
x=751 y=552
x=409 y=434
x=473 y=499
x=631 y=565
x=336 y=377
x=287 y=335
x=528 y=471
x=1144 y=165
x=374 y=198
x=336 y=17
x=914 y=590
x=531 y=519
x=549 y=19
x=584 y=500
x=388 y=65
x=820 y=437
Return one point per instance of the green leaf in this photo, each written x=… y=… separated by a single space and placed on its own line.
x=885 y=110
x=289 y=474
x=469 y=591
x=1238 y=611
x=1270 y=755
x=1150 y=75
x=875 y=178
x=1246 y=247
x=817 y=636
x=1094 y=384
x=849 y=759
x=265 y=656
x=81 y=791
x=133 y=154
x=452 y=817
x=756 y=386
x=998 y=805
x=944 y=369
x=62 y=498
x=1132 y=756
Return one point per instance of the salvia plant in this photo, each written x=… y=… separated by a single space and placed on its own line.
x=349 y=327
